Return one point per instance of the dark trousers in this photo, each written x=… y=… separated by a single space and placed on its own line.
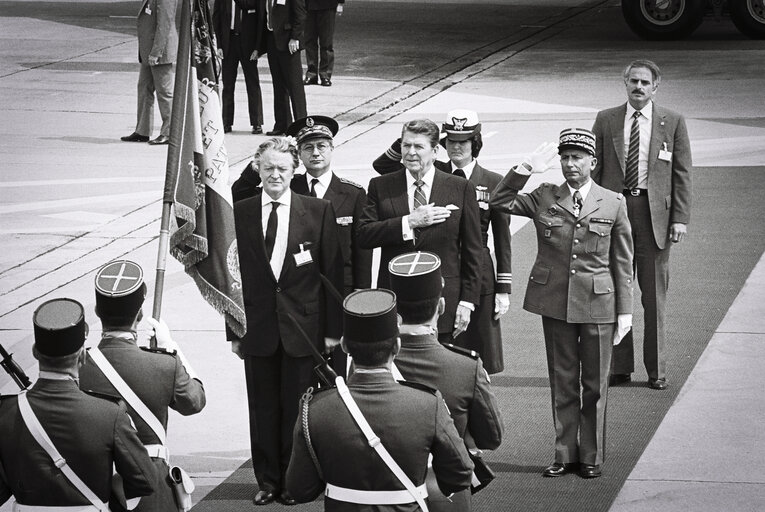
x=652 y=268
x=319 y=40
x=230 y=68
x=578 y=361
x=287 y=76
x=484 y=335
x=274 y=387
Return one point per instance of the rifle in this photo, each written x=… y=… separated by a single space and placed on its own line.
x=323 y=370
x=13 y=369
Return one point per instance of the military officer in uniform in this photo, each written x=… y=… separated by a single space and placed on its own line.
x=456 y=372
x=90 y=434
x=581 y=284
x=463 y=142
x=330 y=452
x=160 y=378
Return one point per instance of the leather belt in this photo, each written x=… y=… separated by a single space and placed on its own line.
x=373 y=497
x=18 y=507
x=157 y=451
x=634 y=192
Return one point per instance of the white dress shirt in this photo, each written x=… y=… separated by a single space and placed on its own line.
x=322 y=185
x=583 y=191
x=406 y=231
x=468 y=169
x=644 y=123
x=282 y=228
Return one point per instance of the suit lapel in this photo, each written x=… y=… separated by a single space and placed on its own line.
x=436 y=191
x=657 y=134
x=297 y=212
x=299 y=184
x=398 y=194
x=335 y=194
x=617 y=133
x=564 y=198
x=591 y=202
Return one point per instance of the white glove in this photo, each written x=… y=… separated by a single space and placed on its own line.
x=542 y=157
x=623 y=326
x=501 y=304
x=162 y=334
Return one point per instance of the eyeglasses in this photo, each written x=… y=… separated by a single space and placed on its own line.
x=323 y=147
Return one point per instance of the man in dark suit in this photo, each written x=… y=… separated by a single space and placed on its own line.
x=158 y=25
x=92 y=435
x=581 y=284
x=285 y=241
x=463 y=142
x=319 y=40
x=236 y=26
x=332 y=455
x=643 y=151
x=421 y=209
x=161 y=378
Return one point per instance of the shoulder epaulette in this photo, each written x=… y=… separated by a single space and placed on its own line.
x=104 y=396
x=158 y=350
x=619 y=196
x=350 y=182
x=462 y=351
x=417 y=385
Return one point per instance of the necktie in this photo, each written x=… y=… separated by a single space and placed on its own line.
x=313 y=187
x=633 y=153
x=419 y=195
x=268 y=14
x=273 y=222
x=577 y=203
x=238 y=19
x=460 y=173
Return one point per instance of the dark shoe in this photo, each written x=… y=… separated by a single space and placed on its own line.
x=311 y=80
x=619 y=378
x=589 y=471
x=257 y=130
x=162 y=139
x=265 y=497
x=275 y=133
x=560 y=469
x=286 y=499
x=657 y=384
x=135 y=137
x=326 y=82
x=227 y=128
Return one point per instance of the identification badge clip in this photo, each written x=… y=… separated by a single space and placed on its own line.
x=303 y=257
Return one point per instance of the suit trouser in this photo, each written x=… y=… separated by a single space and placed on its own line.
x=275 y=384
x=578 y=353
x=319 y=43
x=287 y=76
x=151 y=79
x=652 y=268
x=231 y=60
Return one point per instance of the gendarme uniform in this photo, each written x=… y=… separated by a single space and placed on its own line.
x=157 y=377
x=93 y=435
x=410 y=420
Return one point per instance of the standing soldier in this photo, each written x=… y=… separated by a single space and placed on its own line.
x=149 y=380
x=331 y=443
x=59 y=445
x=463 y=143
x=457 y=373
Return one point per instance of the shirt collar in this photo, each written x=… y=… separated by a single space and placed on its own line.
x=646 y=111
x=468 y=169
x=324 y=179
x=285 y=199
x=428 y=178
x=584 y=190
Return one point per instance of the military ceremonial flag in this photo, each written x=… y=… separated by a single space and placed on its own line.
x=197 y=192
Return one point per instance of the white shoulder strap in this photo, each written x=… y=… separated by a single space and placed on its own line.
x=128 y=394
x=375 y=443
x=396 y=373
x=38 y=432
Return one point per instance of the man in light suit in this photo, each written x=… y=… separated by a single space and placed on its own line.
x=581 y=285
x=648 y=158
x=286 y=242
x=158 y=25
x=419 y=209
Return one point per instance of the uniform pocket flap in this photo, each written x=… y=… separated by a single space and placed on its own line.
x=599 y=229
x=602 y=284
x=550 y=220
x=311 y=307
x=540 y=275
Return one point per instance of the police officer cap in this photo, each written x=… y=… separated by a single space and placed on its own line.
x=577 y=138
x=370 y=315
x=120 y=289
x=313 y=127
x=461 y=124
x=60 y=327
x=416 y=276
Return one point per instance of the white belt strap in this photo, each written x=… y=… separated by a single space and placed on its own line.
x=38 y=432
x=373 y=497
x=157 y=451
x=375 y=443
x=130 y=397
x=17 y=507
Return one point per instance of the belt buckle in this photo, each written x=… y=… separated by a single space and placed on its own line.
x=635 y=192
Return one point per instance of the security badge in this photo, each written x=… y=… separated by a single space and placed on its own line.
x=664 y=154
x=303 y=257
x=344 y=221
x=483 y=196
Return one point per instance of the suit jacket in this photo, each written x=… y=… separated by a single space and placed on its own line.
x=298 y=290
x=669 y=183
x=91 y=433
x=319 y=5
x=457 y=241
x=158 y=31
x=583 y=269
x=287 y=22
x=410 y=423
x=251 y=19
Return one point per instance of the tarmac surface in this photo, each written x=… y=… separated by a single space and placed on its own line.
x=72 y=197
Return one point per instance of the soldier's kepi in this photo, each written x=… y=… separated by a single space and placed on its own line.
x=120 y=290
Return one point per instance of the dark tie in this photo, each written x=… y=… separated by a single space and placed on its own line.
x=313 y=187
x=577 y=202
x=238 y=19
x=460 y=173
x=419 y=195
x=633 y=154
x=273 y=222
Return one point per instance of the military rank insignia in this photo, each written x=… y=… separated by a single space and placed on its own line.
x=483 y=196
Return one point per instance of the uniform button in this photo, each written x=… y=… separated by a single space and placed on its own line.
x=576 y=240
x=578 y=225
x=531 y=278
x=574 y=256
x=549 y=223
x=278 y=289
x=609 y=289
x=573 y=271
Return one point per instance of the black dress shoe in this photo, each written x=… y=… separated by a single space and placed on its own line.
x=560 y=469
x=657 y=384
x=227 y=128
x=162 y=139
x=326 y=82
x=135 y=137
x=275 y=133
x=589 y=471
x=619 y=378
x=265 y=497
x=311 y=80
x=257 y=130
x=286 y=499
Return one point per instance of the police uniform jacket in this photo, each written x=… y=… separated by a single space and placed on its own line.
x=410 y=422
x=457 y=241
x=91 y=433
x=158 y=31
x=583 y=270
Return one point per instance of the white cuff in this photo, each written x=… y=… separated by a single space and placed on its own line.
x=406 y=232
x=467 y=304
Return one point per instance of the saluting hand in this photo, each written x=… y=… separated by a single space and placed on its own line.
x=542 y=158
x=427 y=215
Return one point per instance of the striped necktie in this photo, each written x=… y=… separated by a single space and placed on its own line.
x=419 y=195
x=633 y=154
x=577 y=203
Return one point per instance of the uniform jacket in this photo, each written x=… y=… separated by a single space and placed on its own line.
x=298 y=290
x=348 y=200
x=251 y=19
x=410 y=422
x=319 y=5
x=90 y=433
x=287 y=22
x=158 y=31
x=583 y=269
x=669 y=183
x=457 y=241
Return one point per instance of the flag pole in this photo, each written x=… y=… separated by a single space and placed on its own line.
x=159 y=280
